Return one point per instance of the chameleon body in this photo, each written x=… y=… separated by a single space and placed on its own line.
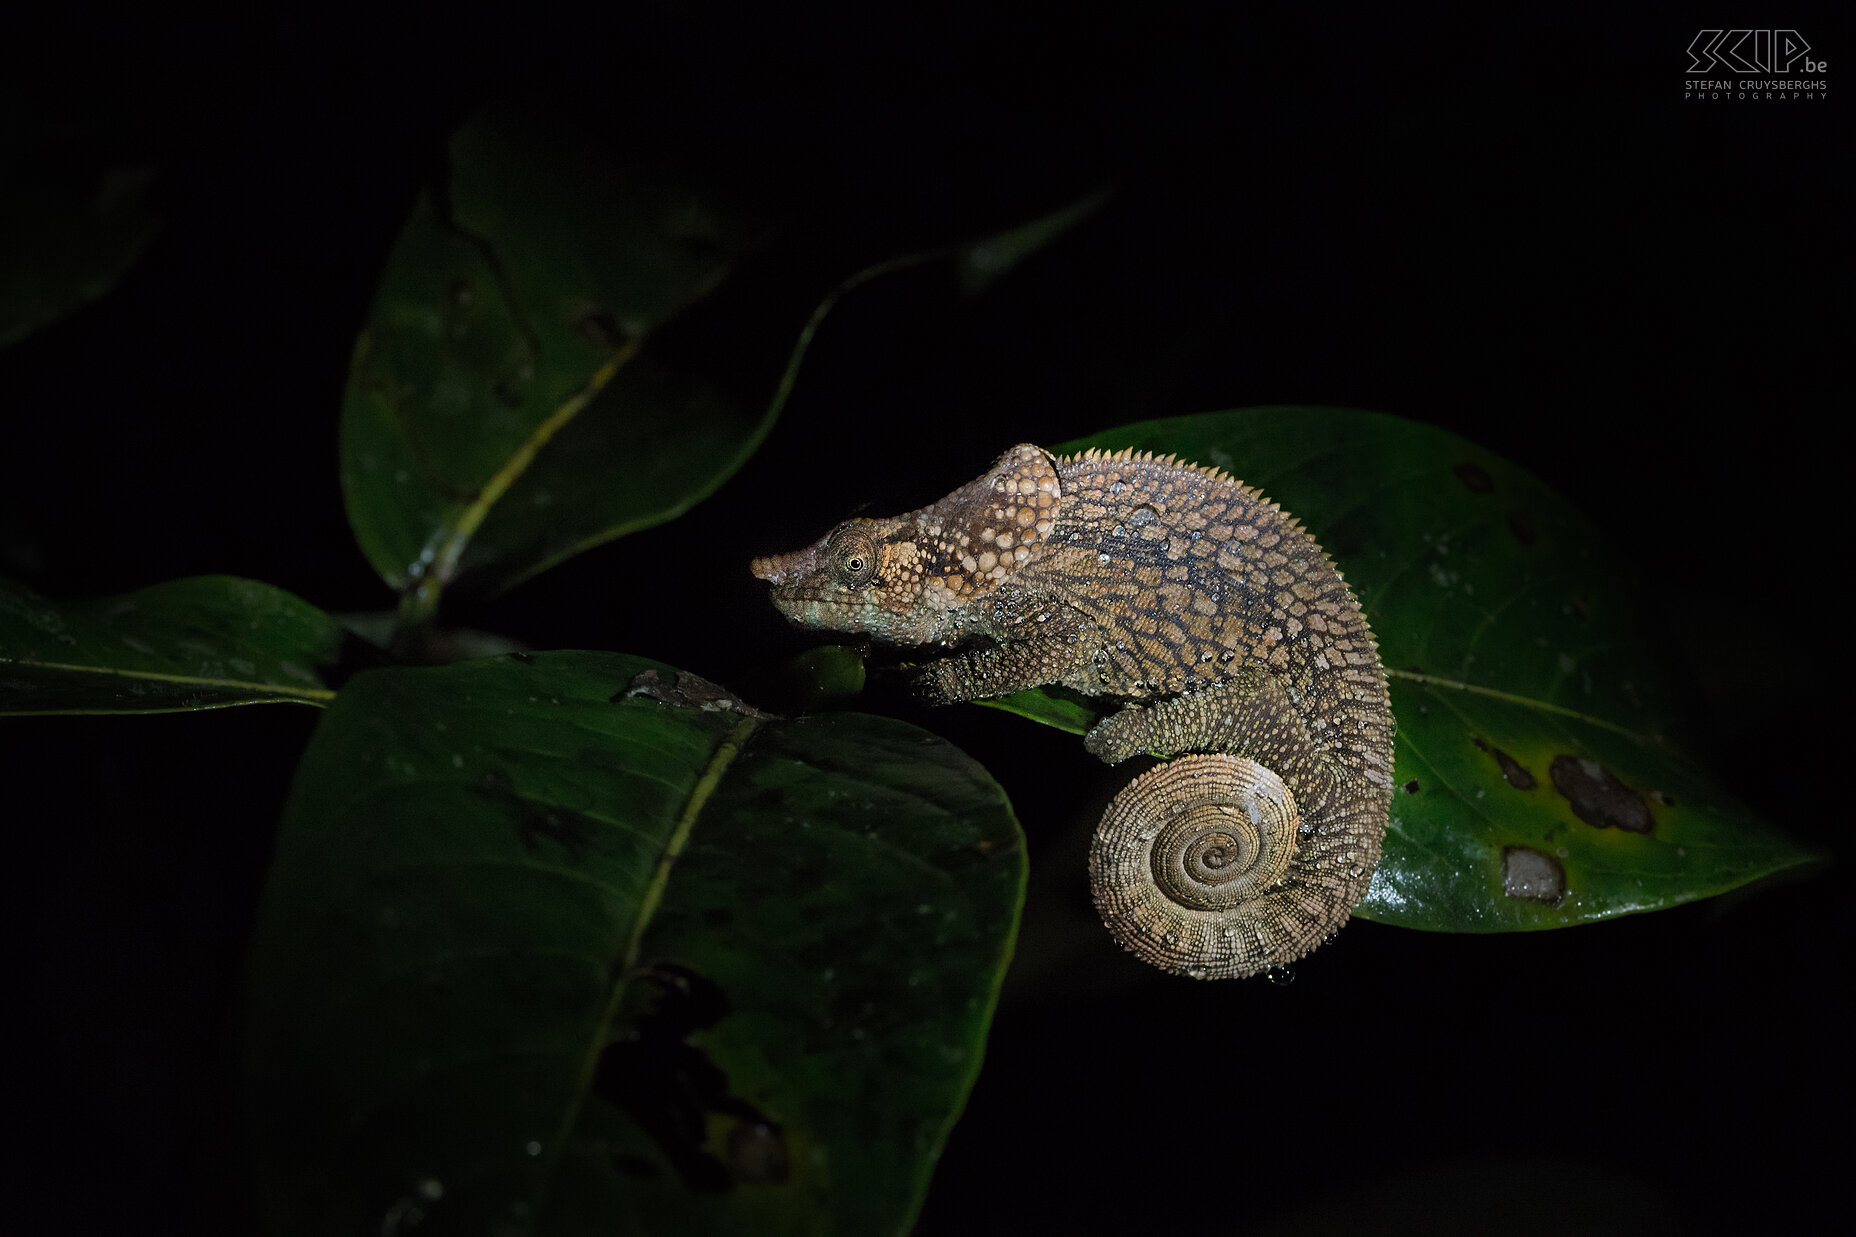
x=1237 y=648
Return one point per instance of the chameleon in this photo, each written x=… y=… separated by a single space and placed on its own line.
x=1228 y=638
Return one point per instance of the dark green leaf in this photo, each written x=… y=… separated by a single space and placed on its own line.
x=199 y=643
x=565 y=943
x=441 y=646
x=502 y=413
x=1054 y=706
x=982 y=262
x=66 y=237
x=819 y=676
x=1540 y=783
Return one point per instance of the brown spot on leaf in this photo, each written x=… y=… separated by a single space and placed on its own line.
x=1521 y=524
x=596 y=325
x=757 y=1153
x=1532 y=876
x=1598 y=798
x=1411 y=787
x=571 y=831
x=1474 y=477
x=1512 y=769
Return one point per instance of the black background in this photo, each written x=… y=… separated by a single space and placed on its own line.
x=1512 y=226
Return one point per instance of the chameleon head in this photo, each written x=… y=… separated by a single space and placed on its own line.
x=919 y=578
x=855 y=578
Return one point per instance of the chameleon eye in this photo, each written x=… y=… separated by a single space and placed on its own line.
x=851 y=551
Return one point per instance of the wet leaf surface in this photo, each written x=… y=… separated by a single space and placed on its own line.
x=504 y=410
x=1542 y=781
x=568 y=942
x=198 y=643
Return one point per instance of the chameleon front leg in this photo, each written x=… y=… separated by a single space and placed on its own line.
x=1249 y=714
x=1039 y=641
x=982 y=673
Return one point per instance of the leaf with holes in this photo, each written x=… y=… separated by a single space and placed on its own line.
x=502 y=398
x=568 y=942
x=199 y=643
x=1540 y=783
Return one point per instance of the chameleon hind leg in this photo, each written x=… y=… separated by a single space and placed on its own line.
x=1249 y=714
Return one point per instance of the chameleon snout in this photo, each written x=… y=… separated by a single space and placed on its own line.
x=781 y=568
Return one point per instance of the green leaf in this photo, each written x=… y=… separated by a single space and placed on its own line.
x=65 y=239
x=1540 y=782
x=1054 y=706
x=978 y=265
x=502 y=411
x=819 y=677
x=199 y=643
x=567 y=942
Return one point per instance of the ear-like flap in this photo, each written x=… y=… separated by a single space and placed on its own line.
x=1021 y=491
x=1022 y=469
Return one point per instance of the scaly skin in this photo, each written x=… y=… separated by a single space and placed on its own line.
x=1220 y=622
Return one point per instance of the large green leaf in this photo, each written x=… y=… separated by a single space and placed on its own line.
x=502 y=410
x=565 y=943
x=1541 y=783
x=198 y=643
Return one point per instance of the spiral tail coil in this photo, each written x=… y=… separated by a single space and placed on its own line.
x=1200 y=867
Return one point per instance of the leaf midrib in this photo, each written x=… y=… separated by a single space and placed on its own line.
x=306 y=695
x=707 y=781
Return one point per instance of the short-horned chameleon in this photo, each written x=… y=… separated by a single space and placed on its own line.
x=1237 y=647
